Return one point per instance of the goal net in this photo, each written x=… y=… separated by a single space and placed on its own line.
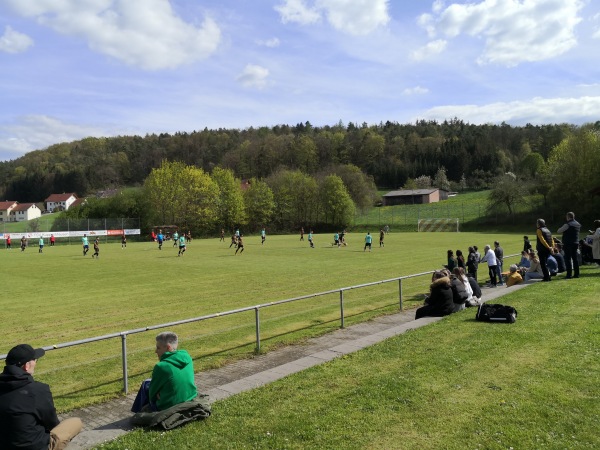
x=438 y=225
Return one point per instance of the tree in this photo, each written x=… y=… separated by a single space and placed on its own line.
x=294 y=193
x=507 y=192
x=441 y=180
x=182 y=195
x=360 y=186
x=336 y=204
x=574 y=168
x=423 y=182
x=230 y=206
x=260 y=203
x=531 y=164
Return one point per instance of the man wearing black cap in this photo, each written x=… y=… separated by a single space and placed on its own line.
x=27 y=415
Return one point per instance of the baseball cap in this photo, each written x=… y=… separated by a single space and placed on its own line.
x=22 y=353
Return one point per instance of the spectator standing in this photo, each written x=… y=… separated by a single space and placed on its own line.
x=490 y=258
x=8 y=241
x=570 y=242
x=544 y=246
x=52 y=240
x=499 y=252
x=472 y=263
x=460 y=260
x=451 y=261
x=28 y=418
x=595 y=242
x=526 y=244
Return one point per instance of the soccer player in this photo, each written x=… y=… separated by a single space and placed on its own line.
x=240 y=244
x=368 y=241
x=381 y=236
x=8 y=242
x=96 y=248
x=222 y=235
x=160 y=237
x=263 y=235
x=310 y=239
x=181 y=245
x=233 y=240
x=41 y=250
x=86 y=244
x=302 y=233
x=52 y=240
x=23 y=243
x=175 y=239
x=123 y=241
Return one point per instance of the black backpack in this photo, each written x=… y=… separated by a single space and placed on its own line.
x=496 y=313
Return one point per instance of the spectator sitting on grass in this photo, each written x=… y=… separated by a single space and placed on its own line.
x=439 y=302
x=514 y=276
x=552 y=265
x=524 y=263
x=560 y=258
x=172 y=379
x=535 y=270
x=461 y=289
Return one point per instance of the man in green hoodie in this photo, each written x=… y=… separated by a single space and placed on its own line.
x=172 y=377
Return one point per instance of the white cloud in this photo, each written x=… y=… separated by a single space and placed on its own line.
x=354 y=17
x=297 y=12
x=514 y=30
x=535 y=111
x=35 y=132
x=14 y=42
x=432 y=48
x=253 y=76
x=271 y=43
x=151 y=36
x=418 y=90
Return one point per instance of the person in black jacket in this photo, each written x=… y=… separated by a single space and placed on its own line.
x=570 y=242
x=440 y=301
x=27 y=415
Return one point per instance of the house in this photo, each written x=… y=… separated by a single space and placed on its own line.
x=60 y=202
x=414 y=196
x=25 y=211
x=5 y=208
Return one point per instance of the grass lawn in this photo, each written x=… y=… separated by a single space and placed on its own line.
x=456 y=384
x=60 y=296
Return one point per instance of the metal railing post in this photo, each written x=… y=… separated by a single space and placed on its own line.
x=342 y=307
x=257 y=320
x=124 y=357
x=400 y=292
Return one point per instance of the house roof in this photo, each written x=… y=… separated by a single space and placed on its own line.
x=7 y=204
x=78 y=202
x=60 y=197
x=410 y=192
x=24 y=206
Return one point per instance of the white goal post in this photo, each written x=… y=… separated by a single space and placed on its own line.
x=438 y=225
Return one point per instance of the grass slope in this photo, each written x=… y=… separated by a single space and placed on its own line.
x=455 y=384
x=60 y=296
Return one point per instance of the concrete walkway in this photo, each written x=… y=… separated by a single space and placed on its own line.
x=106 y=421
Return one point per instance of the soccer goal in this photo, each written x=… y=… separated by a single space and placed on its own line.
x=438 y=225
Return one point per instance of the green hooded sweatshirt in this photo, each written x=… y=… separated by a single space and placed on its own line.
x=173 y=379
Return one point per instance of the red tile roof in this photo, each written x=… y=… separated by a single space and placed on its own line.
x=6 y=204
x=60 y=197
x=23 y=206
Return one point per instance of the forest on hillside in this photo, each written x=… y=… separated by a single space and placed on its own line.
x=547 y=159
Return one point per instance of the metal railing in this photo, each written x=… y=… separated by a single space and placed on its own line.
x=256 y=308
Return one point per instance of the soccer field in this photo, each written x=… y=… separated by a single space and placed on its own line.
x=60 y=296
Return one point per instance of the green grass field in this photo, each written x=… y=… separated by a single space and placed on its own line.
x=60 y=296
x=456 y=384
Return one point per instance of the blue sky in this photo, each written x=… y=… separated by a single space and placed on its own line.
x=76 y=68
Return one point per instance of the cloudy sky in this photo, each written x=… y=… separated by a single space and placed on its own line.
x=76 y=68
